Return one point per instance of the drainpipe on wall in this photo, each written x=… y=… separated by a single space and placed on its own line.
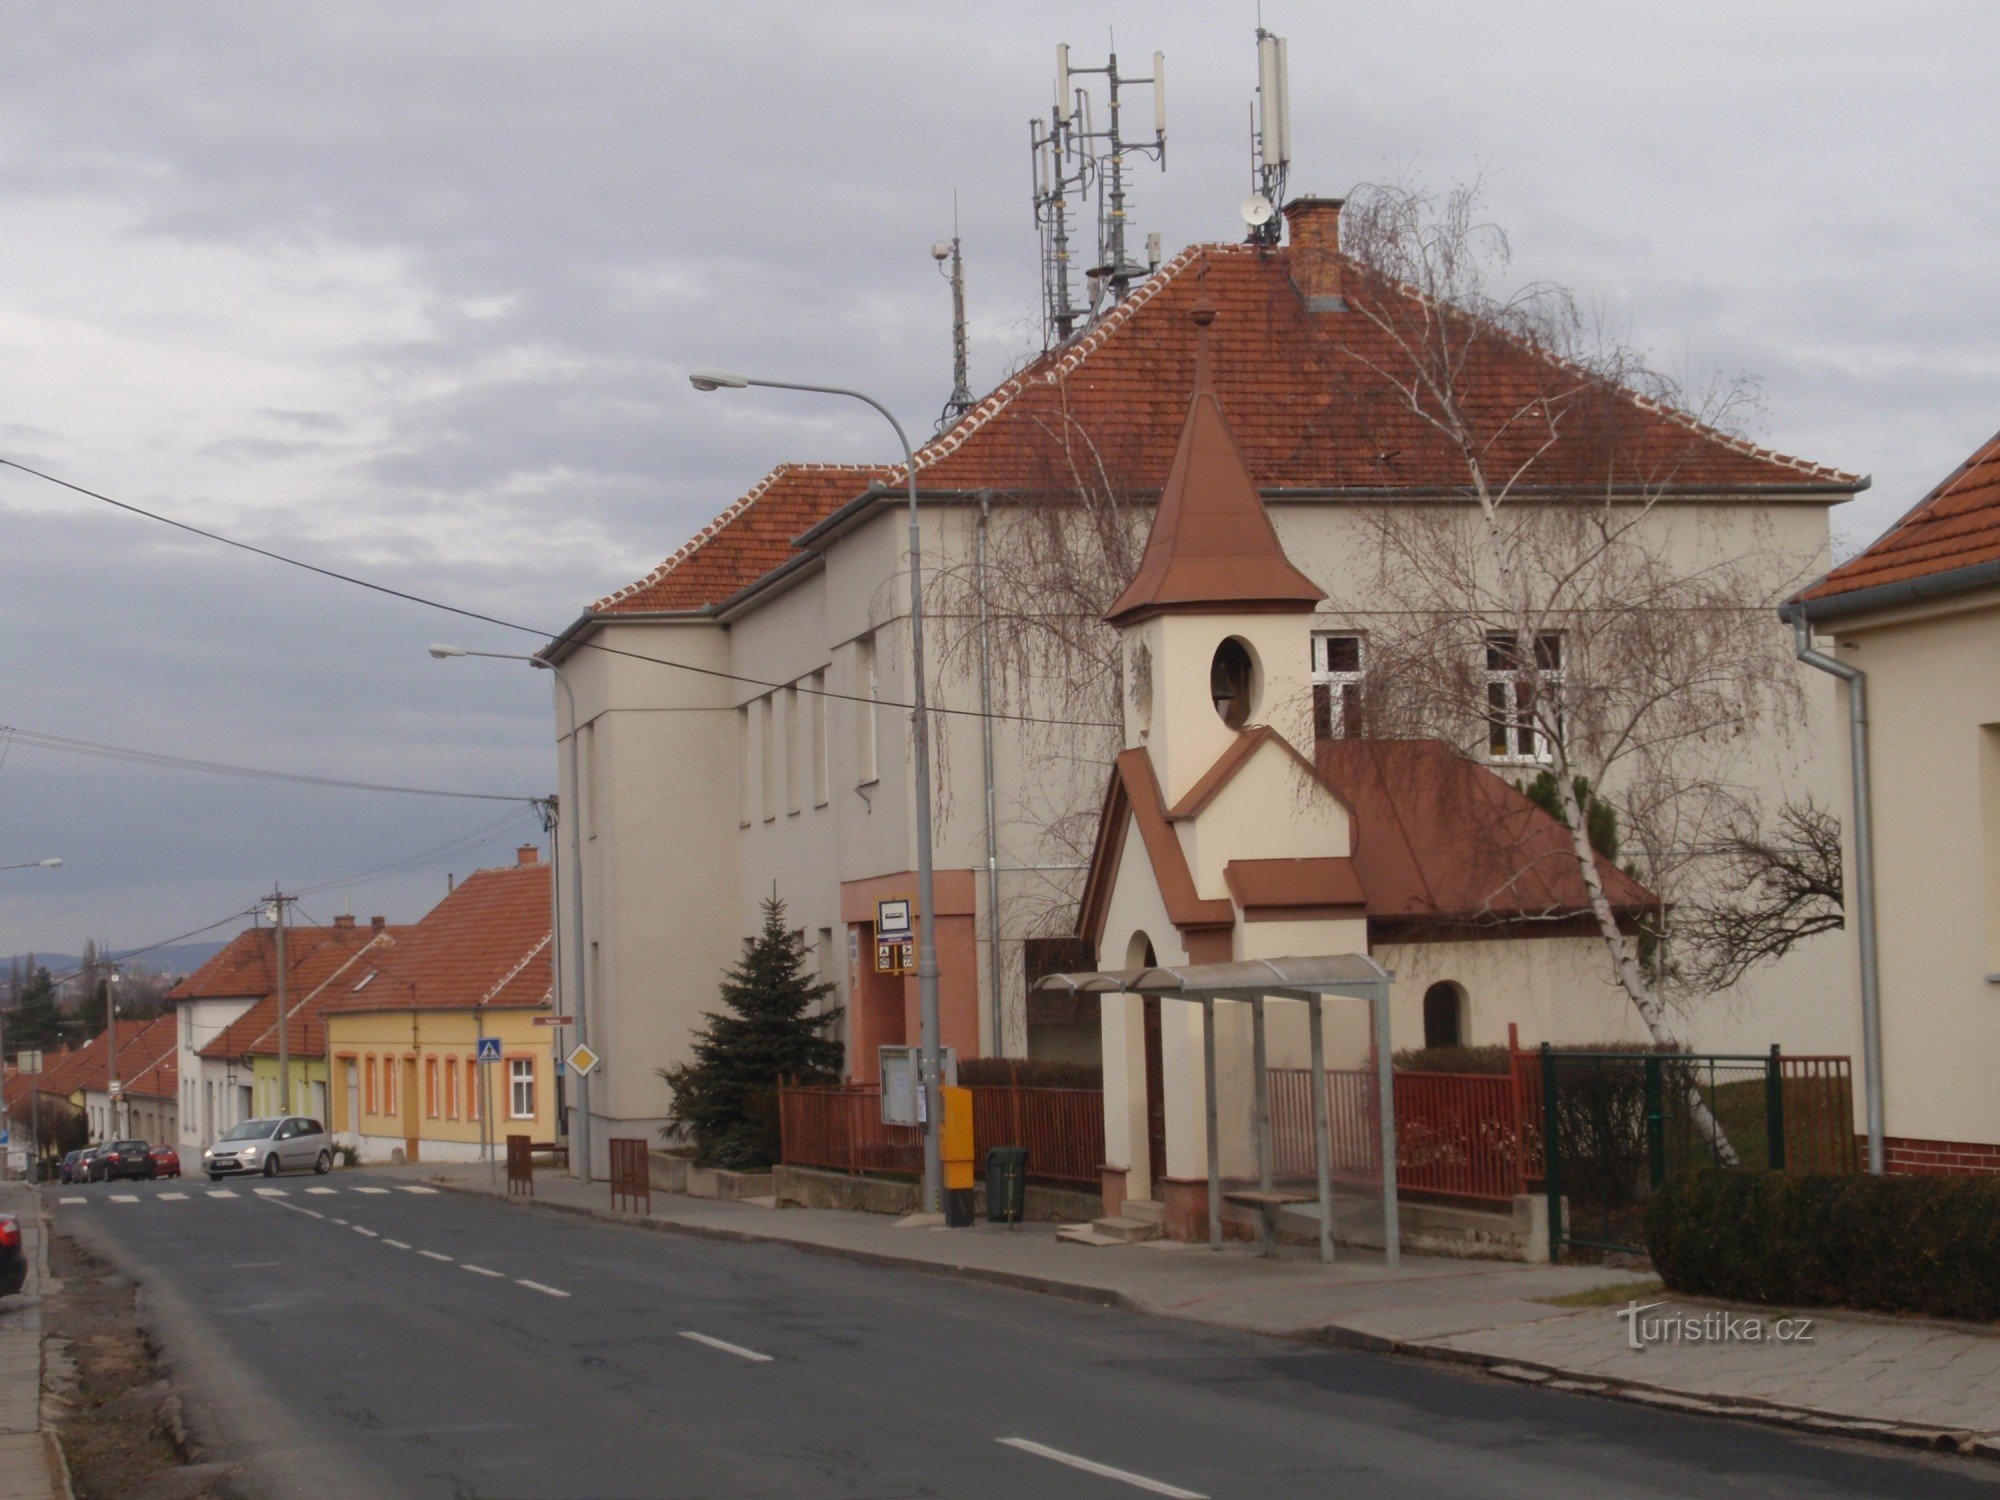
x=999 y=1038
x=1864 y=877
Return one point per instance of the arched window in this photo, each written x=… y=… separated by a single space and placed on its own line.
x=1444 y=1015
x=1232 y=682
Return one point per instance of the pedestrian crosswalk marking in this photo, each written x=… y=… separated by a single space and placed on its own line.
x=409 y=1189
x=322 y=1190
x=221 y=1193
x=370 y=1190
x=73 y=1200
x=269 y=1192
x=173 y=1197
x=124 y=1197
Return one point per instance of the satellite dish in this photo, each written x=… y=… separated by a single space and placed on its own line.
x=941 y=250
x=1257 y=211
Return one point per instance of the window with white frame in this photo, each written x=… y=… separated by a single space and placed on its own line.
x=816 y=708
x=1339 y=664
x=793 y=748
x=767 y=743
x=521 y=1088
x=745 y=766
x=1522 y=698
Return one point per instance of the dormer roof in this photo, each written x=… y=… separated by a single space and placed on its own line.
x=1212 y=546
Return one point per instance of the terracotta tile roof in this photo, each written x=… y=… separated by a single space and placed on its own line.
x=1440 y=839
x=1304 y=412
x=1294 y=889
x=247 y=967
x=486 y=944
x=746 y=541
x=1957 y=525
x=61 y=1070
x=141 y=1046
x=160 y=1079
x=316 y=960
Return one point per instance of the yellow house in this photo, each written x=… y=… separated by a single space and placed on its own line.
x=403 y=1039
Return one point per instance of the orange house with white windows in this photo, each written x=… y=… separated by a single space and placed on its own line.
x=403 y=1038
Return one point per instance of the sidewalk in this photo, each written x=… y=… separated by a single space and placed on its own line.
x=28 y=1455
x=1903 y=1381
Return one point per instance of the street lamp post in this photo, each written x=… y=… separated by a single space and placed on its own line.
x=580 y=1154
x=927 y=969
x=33 y=864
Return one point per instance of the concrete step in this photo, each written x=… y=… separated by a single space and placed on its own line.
x=1083 y=1234
x=1125 y=1230
x=1145 y=1210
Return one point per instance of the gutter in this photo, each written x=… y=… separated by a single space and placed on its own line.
x=1800 y=489
x=1887 y=595
x=1864 y=860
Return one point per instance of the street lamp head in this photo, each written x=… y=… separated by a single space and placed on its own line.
x=50 y=864
x=443 y=652
x=716 y=380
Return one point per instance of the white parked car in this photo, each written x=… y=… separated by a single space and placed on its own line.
x=283 y=1143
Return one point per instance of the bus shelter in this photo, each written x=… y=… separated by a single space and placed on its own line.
x=1253 y=982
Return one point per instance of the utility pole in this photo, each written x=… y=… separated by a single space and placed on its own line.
x=279 y=901
x=111 y=1036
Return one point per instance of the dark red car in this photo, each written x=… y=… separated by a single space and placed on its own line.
x=13 y=1256
x=166 y=1161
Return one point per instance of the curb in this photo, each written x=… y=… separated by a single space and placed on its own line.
x=1549 y=1377
x=1047 y=1286
x=61 y=1483
x=1958 y=1441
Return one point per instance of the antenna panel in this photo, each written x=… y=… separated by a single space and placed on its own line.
x=1267 y=94
x=1283 y=155
x=1159 y=93
x=1063 y=105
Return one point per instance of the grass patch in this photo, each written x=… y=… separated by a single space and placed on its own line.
x=1607 y=1296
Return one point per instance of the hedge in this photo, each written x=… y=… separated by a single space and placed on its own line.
x=1890 y=1244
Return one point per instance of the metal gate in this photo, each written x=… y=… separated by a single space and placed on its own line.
x=1615 y=1124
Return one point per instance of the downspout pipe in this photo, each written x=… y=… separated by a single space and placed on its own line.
x=1864 y=876
x=997 y=1044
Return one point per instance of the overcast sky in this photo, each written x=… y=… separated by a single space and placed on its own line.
x=412 y=291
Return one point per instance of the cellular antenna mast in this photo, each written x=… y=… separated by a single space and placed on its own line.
x=1270 y=141
x=960 y=401
x=1060 y=169
x=1072 y=154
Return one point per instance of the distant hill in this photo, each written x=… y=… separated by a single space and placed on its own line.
x=179 y=958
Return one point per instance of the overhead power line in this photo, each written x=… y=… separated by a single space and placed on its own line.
x=63 y=744
x=540 y=632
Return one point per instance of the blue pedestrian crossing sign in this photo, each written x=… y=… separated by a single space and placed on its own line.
x=489 y=1049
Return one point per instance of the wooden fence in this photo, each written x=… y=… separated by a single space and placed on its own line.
x=841 y=1128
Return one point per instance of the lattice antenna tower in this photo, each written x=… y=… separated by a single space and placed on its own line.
x=951 y=264
x=1072 y=154
x=1270 y=141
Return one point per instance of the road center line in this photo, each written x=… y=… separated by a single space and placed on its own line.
x=369 y=1232
x=341 y=1222
x=433 y=1255
x=314 y=1212
x=479 y=1270
x=536 y=1286
x=397 y=1244
x=1090 y=1466
x=736 y=1349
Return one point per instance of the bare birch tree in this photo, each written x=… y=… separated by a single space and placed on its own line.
x=1557 y=619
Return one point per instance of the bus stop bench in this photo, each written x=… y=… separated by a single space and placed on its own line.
x=1267 y=1205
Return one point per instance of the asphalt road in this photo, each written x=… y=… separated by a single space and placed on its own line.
x=353 y=1337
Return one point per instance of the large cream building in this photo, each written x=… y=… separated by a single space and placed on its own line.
x=781 y=760
x=1916 y=620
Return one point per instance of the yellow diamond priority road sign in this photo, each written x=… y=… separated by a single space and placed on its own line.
x=583 y=1061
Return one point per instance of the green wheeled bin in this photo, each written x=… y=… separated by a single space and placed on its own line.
x=1006 y=1184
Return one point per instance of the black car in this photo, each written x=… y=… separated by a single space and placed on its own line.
x=13 y=1256
x=123 y=1159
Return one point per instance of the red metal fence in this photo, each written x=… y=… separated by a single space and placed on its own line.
x=842 y=1129
x=1457 y=1134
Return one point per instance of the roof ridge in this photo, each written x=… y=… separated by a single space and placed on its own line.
x=730 y=512
x=509 y=977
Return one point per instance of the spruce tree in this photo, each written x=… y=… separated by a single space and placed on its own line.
x=726 y=1099
x=36 y=1023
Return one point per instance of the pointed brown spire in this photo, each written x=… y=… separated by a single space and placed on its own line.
x=1212 y=547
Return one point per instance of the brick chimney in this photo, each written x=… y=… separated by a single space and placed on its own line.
x=1314 y=226
x=376 y=924
x=345 y=919
x=528 y=854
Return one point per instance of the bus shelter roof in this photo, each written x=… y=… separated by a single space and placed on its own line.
x=1353 y=974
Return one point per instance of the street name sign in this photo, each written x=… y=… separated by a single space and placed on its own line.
x=555 y=1020
x=489 y=1049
